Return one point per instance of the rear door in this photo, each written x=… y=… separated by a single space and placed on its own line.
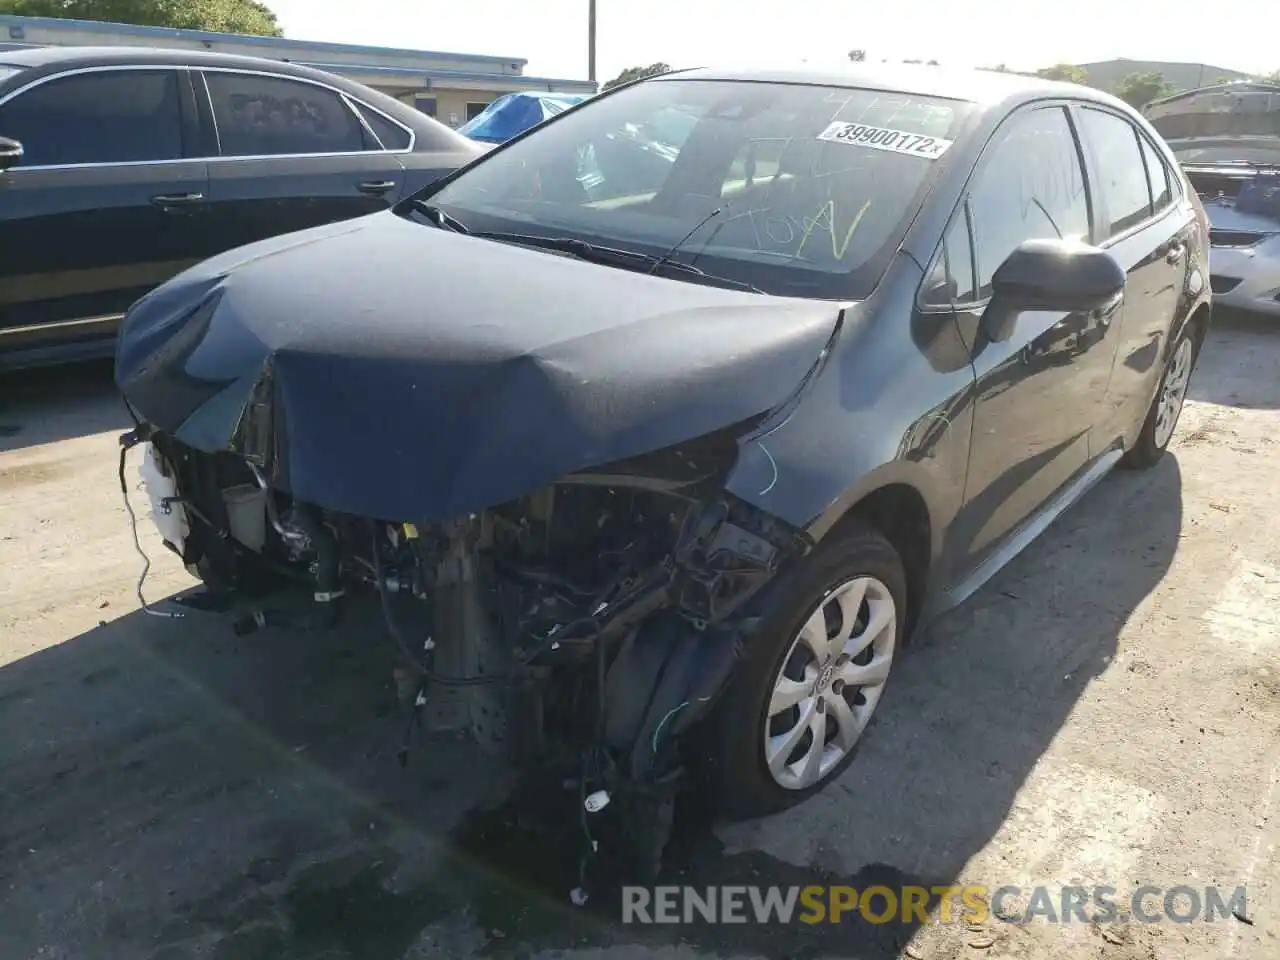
x=105 y=205
x=292 y=154
x=1148 y=233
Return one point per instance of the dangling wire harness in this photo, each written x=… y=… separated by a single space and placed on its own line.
x=127 y=442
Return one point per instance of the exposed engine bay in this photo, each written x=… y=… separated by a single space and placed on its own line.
x=590 y=624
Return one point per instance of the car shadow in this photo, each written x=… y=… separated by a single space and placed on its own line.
x=171 y=787
x=1244 y=375
x=57 y=403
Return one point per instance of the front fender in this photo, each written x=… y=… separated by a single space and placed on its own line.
x=893 y=405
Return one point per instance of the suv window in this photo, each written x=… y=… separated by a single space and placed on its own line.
x=1121 y=174
x=1030 y=187
x=104 y=116
x=951 y=281
x=268 y=116
x=392 y=136
x=1157 y=176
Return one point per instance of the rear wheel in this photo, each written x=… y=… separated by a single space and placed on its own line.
x=804 y=694
x=1162 y=417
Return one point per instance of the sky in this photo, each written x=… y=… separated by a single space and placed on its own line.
x=552 y=34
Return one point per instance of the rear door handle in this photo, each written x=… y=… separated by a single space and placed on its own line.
x=376 y=188
x=177 y=199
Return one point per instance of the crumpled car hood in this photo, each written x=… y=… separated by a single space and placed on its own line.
x=1224 y=216
x=408 y=373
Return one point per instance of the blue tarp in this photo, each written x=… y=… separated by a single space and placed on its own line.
x=515 y=113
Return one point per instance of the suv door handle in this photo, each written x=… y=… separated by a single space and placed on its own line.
x=177 y=199
x=1175 y=253
x=376 y=188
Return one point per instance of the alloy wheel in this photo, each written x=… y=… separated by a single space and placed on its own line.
x=1173 y=393
x=830 y=682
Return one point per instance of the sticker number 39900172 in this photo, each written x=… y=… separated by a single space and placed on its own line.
x=883 y=138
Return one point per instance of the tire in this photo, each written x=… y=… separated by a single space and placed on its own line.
x=730 y=755
x=1157 y=431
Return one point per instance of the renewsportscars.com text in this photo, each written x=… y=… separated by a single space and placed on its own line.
x=939 y=904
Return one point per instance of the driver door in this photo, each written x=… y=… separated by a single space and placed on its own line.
x=1038 y=393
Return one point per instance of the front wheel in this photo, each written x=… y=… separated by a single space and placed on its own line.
x=1162 y=417
x=810 y=679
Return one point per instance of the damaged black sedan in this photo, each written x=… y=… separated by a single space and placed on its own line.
x=661 y=428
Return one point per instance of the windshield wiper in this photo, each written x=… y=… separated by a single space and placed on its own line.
x=445 y=221
x=614 y=257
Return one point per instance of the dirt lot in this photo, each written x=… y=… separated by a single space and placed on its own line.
x=1105 y=711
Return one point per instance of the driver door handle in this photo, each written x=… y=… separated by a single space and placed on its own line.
x=1107 y=312
x=167 y=201
x=376 y=188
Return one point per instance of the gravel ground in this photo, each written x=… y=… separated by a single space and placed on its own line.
x=1105 y=711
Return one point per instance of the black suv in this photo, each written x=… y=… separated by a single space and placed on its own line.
x=120 y=167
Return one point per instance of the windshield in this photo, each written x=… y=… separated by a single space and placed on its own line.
x=1222 y=125
x=797 y=190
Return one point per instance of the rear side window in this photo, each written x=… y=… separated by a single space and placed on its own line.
x=391 y=136
x=106 y=116
x=268 y=116
x=1157 y=176
x=1030 y=187
x=1121 y=173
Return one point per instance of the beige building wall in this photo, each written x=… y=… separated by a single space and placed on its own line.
x=451 y=105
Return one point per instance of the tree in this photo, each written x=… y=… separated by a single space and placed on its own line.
x=858 y=56
x=1066 y=72
x=223 y=16
x=1139 y=89
x=637 y=73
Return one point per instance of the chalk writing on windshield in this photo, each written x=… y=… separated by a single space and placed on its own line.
x=780 y=233
x=827 y=217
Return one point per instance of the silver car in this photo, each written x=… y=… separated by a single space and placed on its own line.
x=1227 y=138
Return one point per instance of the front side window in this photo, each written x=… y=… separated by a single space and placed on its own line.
x=1121 y=173
x=103 y=116
x=796 y=189
x=261 y=116
x=1030 y=187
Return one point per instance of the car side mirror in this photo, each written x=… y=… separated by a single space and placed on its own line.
x=1062 y=275
x=10 y=153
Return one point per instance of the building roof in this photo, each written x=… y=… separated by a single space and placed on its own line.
x=144 y=33
x=1108 y=73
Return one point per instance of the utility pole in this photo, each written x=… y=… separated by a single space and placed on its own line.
x=591 y=40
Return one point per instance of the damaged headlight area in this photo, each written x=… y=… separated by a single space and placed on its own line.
x=591 y=623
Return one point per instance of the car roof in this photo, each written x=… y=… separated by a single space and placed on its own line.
x=984 y=87
x=46 y=60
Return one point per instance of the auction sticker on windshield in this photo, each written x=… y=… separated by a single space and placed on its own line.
x=883 y=138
